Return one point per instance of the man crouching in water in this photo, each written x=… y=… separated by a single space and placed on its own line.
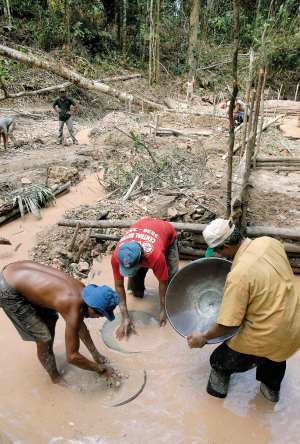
x=32 y=295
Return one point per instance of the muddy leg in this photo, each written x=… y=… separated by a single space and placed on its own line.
x=47 y=359
x=137 y=283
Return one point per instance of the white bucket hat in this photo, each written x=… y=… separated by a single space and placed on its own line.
x=216 y=233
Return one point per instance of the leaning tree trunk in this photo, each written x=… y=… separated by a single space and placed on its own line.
x=75 y=78
x=191 y=55
x=232 y=101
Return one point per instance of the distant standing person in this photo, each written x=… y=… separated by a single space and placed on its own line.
x=32 y=295
x=62 y=105
x=189 y=85
x=7 y=125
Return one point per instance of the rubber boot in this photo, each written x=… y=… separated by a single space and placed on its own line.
x=218 y=384
x=271 y=395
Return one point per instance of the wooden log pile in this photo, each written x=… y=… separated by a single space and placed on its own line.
x=278 y=163
x=194 y=247
x=287 y=107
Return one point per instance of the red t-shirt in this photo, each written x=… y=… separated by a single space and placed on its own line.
x=154 y=236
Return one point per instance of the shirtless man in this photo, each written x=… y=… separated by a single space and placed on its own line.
x=32 y=295
x=7 y=125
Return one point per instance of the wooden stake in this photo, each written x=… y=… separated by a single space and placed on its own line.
x=296 y=92
x=71 y=246
x=83 y=244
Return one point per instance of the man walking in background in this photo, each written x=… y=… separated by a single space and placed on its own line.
x=62 y=105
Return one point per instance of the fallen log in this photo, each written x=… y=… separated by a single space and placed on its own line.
x=277 y=159
x=196 y=113
x=289 y=233
x=179 y=132
x=192 y=228
x=277 y=168
x=104 y=237
x=75 y=78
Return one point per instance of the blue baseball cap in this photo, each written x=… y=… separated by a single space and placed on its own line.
x=102 y=299
x=129 y=255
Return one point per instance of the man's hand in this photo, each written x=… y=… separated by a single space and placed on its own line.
x=110 y=372
x=196 y=340
x=100 y=359
x=126 y=324
x=162 y=318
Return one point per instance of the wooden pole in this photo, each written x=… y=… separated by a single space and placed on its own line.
x=262 y=97
x=289 y=233
x=232 y=102
x=246 y=113
x=83 y=244
x=71 y=246
x=296 y=92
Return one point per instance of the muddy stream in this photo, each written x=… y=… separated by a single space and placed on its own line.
x=173 y=407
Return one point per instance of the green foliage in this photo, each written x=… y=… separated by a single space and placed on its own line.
x=9 y=67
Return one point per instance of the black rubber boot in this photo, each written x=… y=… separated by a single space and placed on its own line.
x=218 y=384
x=271 y=395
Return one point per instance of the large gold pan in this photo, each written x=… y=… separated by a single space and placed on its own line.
x=194 y=297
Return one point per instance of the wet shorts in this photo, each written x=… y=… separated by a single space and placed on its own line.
x=30 y=320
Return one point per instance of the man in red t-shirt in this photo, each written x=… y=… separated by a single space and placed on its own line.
x=150 y=243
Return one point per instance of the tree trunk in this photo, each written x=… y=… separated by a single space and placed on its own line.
x=157 y=43
x=232 y=101
x=191 y=54
x=150 y=41
x=75 y=78
x=67 y=12
x=124 y=26
x=7 y=12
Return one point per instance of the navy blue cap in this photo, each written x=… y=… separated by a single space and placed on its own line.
x=129 y=255
x=102 y=299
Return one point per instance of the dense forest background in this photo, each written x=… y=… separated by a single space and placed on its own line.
x=176 y=37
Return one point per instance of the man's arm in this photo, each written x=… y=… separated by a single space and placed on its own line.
x=73 y=109
x=162 y=288
x=126 y=322
x=74 y=323
x=198 y=339
x=85 y=336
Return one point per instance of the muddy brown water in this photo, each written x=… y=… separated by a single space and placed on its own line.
x=173 y=407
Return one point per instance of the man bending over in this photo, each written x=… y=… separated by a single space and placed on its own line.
x=32 y=295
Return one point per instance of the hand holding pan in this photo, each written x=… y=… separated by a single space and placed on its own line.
x=194 y=297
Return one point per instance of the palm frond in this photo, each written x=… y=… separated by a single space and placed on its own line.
x=33 y=197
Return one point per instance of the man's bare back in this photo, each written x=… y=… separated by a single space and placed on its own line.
x=45 y=286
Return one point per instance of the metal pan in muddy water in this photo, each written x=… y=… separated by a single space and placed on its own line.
x=194 y=297
x=109 y=327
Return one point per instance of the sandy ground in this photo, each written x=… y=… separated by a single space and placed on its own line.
x=173 y=407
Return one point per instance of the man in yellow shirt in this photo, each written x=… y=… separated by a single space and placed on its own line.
x=261 y=296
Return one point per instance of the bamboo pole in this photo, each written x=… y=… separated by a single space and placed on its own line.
x=251 y=56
